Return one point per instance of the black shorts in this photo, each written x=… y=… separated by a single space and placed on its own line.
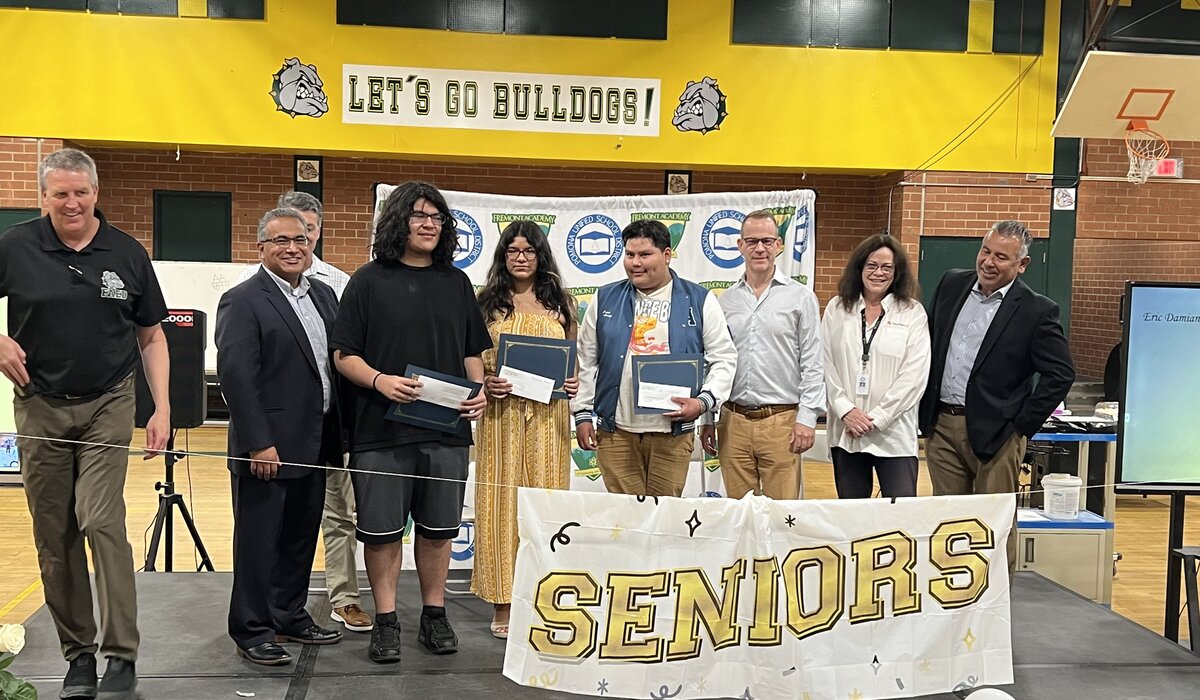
x=396 y=487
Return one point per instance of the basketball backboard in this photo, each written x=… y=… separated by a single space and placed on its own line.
x=1116 y=88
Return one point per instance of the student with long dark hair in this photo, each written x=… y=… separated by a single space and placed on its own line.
x=520 y=442
x=408 y=306
x=876 y=342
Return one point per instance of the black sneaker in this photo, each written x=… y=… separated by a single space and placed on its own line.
x=385 y=643
x=80 y=681
x=436 y=634
x=119 y=681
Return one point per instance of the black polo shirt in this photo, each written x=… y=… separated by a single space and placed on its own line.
x=76 y=313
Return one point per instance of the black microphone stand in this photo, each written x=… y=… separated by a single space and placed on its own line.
x=167 y=499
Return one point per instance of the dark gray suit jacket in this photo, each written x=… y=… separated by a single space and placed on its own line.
x=1024 y=341
x=269 y=377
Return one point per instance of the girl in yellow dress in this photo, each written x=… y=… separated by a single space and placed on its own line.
x=519 y=442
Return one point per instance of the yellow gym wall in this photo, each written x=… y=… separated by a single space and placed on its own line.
x=202 y=83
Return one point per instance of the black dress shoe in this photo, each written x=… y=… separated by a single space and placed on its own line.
x=80 y=681
x=313 y=634
x=266 y=654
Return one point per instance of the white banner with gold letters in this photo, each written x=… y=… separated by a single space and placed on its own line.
x=620 y=596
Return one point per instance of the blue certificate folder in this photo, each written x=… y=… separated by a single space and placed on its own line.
x=681 y=369
x=430 y=415
x=545 y=357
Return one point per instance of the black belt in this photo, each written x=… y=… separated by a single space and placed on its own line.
x=28 y=390
x=760 y=412
x=952 y=409
x=67 y=397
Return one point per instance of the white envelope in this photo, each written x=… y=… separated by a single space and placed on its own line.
x=527 y=384
x=651 y=395
x=441 y=393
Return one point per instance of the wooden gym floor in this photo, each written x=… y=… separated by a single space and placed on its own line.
x=1138 y=589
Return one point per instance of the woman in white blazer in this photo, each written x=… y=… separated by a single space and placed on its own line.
x=876 y=349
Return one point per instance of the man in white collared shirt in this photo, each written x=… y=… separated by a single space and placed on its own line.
x=779 y=387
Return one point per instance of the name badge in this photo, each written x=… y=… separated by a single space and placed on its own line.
x=862 y=385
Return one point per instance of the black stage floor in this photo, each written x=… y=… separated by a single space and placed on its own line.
x=1065 y=647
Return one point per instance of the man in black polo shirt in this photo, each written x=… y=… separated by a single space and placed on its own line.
x=408 y=306
x=82 y=302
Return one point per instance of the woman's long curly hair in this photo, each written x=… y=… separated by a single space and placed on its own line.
x=495 y=299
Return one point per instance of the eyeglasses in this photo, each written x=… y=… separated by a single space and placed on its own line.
x=520 y=253
x=753 y=243
x=284 y=241
x=420 y=217
x=886 y=268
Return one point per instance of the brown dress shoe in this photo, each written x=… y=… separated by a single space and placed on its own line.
x=353 y=617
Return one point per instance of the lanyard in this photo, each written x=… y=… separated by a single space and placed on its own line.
x=866 y=342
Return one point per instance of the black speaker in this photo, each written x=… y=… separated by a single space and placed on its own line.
x=186 y=339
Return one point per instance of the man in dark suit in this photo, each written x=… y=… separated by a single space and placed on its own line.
x=1000 y=366
x=273 y=362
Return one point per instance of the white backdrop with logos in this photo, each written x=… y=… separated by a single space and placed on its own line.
x=585 y=232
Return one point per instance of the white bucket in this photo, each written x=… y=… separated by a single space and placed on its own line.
x=1062 y=496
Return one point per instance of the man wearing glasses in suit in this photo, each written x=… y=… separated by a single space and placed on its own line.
x=273 y=361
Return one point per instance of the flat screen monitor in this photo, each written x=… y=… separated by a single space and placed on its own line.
x=10 y=467
x=1158 y=443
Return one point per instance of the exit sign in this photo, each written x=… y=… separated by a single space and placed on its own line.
x=1169 y=167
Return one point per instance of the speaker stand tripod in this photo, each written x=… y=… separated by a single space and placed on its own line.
x=167 y=499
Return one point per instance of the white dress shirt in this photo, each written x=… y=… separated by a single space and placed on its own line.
x=779 y=346
x=314 y=327
x=897 y=372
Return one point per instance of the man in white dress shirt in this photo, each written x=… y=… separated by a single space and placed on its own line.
x=779 y=388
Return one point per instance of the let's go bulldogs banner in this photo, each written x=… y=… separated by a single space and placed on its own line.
x=585 y=232
x=632 y=597
x=570 y=104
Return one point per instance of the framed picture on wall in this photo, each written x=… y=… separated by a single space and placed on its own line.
x=678 y=182
x=308 y=170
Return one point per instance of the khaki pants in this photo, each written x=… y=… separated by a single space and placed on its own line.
x=955 y=470
x=76 y=493
x=756 y=453
x=644 y=464
x=337 y=528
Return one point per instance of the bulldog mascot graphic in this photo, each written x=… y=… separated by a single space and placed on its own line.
x=701 y=107
x=297 y=90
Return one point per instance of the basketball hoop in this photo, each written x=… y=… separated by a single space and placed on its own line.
x=1146 y=147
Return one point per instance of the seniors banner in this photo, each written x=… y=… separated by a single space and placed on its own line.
x=585 y=232
x=635 y=597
